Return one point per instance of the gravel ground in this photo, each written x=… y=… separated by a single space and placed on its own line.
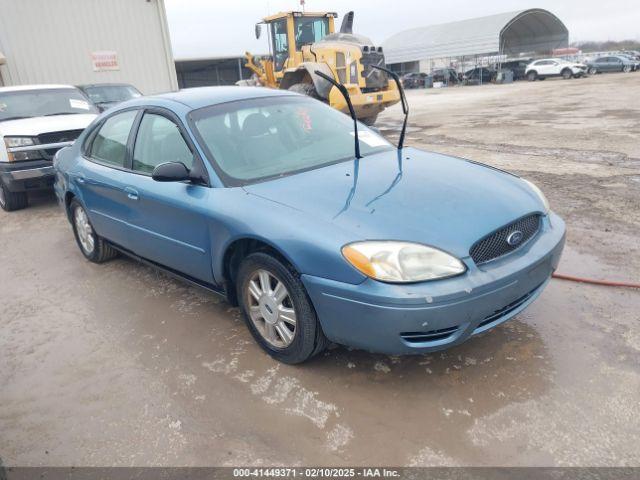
x=117 y=364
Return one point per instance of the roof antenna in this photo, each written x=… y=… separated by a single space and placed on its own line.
x=345 y=94
x=405 y=105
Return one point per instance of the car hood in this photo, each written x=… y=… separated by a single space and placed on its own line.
x=34 y=126
x=429 y=198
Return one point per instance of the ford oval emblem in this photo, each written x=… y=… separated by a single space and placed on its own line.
x=515 y=238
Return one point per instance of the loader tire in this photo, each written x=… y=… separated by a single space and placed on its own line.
x=370 y=120
x=307 y=89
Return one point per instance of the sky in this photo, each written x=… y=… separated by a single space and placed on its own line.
x=201 y=28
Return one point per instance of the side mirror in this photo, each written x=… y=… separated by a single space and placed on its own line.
x=258 y=30
x=171 y=172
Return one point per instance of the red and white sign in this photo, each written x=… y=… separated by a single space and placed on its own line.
x=104 y=61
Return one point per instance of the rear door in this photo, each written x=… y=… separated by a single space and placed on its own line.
x=169 y=219
x=103 y=177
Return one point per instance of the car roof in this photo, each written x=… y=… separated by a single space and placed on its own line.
x=205 y=96
x=20 y=88
x=116 y=84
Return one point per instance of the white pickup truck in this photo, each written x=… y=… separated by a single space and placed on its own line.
x=35 y=122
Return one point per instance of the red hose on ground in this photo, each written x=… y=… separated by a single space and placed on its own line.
x=596 y=282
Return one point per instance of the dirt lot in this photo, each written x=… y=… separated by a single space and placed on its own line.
x=120 y=365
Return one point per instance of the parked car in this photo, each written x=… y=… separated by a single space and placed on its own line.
x=256 y=194
x=635 y=63
x=35 y=121
x=518 y=67
x=554 y=67
x=447 y=76
x=479 y=75
x=107 y=95
x=414 y=80
x=610 y=63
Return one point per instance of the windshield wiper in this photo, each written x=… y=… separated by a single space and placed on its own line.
x=60 y=113
x=345 y=93
x=405 y=105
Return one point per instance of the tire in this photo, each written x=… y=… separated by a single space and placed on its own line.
x=307 y=89
x=542 y=79
x=532 y=76
x=592 y=71
x=11 y=201
x=626 y=69
x=566 y=74
x=257 y=297
x=100 y=251
x=369 y=121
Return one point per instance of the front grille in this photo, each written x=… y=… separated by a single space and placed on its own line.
x=496 y=245
x=57 y=137
x=374 y=79
x=507 y=309
x=430 y=336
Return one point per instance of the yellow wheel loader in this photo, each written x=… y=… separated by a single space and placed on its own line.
x=302 y=43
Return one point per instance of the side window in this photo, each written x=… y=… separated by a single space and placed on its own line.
x=159 y=141
x=110 y=144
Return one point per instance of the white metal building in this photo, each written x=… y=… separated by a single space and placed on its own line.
x=503 y=35
x=86 y=41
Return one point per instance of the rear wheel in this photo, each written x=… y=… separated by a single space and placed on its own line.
x=93 y=247
x=532 y=76
x=277 y=310
x=307 y=89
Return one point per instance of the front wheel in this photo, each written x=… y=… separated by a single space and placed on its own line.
x=626 y=68
x=592 y=71
x=532 y=76
x=567 y=74
x=10 y=201
x=277 y=310
x=93 y=247
x=307 y=89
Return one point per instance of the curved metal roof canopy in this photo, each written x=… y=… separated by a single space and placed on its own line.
x=511 y=33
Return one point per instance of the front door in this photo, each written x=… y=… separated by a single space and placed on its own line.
x=169 y=222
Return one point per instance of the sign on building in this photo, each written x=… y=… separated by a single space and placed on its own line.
x=104 y=61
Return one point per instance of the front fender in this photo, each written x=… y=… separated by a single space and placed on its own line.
x=312 y=246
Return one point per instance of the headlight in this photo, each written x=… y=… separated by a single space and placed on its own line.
x=15 y=142
x=538 y=192
x=401 y=262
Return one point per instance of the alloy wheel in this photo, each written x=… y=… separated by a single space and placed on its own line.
x=3 y=200
x=84 y=230
x=270 y=308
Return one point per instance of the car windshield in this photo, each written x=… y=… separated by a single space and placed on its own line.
x=251 y=140
x=45 y=102
x=110 y=93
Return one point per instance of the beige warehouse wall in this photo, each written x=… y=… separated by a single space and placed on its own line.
x=51 y=41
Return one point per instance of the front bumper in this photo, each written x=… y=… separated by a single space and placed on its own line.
x=365 y=104
x=430 y=316
x=27 y=176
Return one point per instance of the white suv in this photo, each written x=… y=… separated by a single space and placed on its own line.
x=554 y=67
x=35 y=122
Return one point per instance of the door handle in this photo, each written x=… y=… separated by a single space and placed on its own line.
x=132 y=193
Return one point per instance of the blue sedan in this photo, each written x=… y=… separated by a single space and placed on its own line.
x=256 y=194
